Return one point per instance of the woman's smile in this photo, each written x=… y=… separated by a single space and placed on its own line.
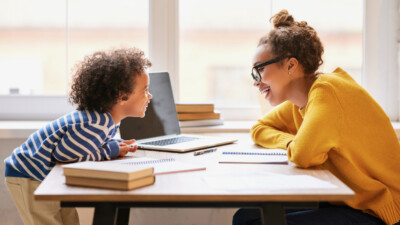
x=265 y=90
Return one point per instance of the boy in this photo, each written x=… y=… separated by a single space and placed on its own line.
x=107 y=87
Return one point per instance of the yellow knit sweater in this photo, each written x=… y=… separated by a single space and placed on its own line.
x=343 y=129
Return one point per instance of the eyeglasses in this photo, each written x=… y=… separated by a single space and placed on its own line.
x=255 y=73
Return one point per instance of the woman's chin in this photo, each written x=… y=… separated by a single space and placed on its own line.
x=273 y=102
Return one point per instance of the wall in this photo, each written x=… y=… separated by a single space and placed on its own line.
x=8 y=212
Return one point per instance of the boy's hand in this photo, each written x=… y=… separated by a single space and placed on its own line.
x=125 y=147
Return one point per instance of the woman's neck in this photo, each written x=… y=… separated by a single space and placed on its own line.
x=300 y=88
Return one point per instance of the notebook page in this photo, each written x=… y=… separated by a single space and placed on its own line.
x=161 y=166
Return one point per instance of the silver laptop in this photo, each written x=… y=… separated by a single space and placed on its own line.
x=159 y=129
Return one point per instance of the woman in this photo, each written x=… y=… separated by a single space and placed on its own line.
x=324 y=120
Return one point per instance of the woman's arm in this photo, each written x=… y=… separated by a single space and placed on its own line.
x=276 y=129
x=320 y=130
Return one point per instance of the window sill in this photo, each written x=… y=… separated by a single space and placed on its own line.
x=22 y=129
x=227 y=127
x=19 y=129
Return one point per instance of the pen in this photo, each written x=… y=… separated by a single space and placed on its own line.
x=205 y=151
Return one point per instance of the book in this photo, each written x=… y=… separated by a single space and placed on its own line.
x=110 y=183
x=194 y=107
x=105 y=175
x=104 y=170
x=161 y=166
x=199 y=116
x=201 y=123
x=255 y=156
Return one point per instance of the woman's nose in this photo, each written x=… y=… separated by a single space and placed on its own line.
x=256 y=83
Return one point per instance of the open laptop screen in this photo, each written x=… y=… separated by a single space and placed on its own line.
x=160 y=119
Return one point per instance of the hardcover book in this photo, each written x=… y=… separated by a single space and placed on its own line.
x=109 y=183
x=194 y=107
x=199 y=116
x=105 y=170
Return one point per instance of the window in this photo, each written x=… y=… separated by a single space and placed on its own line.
x=32 y=43
x=218 y=40
x=339 y=25
x=208 y=57
x=40 y=45
x=102 y=24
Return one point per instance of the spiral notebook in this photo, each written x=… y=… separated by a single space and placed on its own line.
x=255 y=156
x=161 y=166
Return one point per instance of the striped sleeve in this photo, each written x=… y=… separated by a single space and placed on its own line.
x=86 y=141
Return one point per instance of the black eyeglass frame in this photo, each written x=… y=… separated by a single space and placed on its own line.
x=274 y=60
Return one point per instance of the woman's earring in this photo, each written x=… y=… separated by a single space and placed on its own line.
x=290 y=73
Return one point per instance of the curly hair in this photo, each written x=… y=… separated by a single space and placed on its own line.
x=101 y=79
x=294 y=39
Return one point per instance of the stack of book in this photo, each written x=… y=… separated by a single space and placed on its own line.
x=198 y=114
x=108 y=175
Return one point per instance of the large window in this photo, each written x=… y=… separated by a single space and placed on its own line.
x=339 y=24
x=42 y=40
x=218 y=40
x=207 y=46
x=102 y=24
x=32 y=43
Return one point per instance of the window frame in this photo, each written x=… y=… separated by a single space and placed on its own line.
x=164 y=54
x=380 y=68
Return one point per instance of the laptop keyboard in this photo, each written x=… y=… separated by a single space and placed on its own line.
x=171 y=141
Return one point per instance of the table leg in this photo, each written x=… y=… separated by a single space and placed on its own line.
x=273 y=214
x=105 y=214
x=123 y=216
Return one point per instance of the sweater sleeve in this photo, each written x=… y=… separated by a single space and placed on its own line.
x=88 y=142
x=276 y=129
x=320 y=130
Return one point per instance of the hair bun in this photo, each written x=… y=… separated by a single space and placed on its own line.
x=282 y=19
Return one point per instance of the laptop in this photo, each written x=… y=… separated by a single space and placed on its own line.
x=159 y=129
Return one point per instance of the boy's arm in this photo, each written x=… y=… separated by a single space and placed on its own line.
x=86 y=143
x=276 y=129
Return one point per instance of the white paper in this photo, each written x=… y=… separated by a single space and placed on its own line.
x=237 y=182
x=161 y=166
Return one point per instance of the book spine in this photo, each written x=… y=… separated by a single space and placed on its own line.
x=191 y=108
x=198 y=116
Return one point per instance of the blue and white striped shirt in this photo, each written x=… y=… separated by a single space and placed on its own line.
x=77 y=136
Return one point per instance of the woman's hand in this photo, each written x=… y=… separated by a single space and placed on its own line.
x=125 y=147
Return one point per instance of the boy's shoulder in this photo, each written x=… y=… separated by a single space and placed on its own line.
x=92 y=117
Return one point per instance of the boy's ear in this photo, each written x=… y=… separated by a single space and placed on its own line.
x=122 y=99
